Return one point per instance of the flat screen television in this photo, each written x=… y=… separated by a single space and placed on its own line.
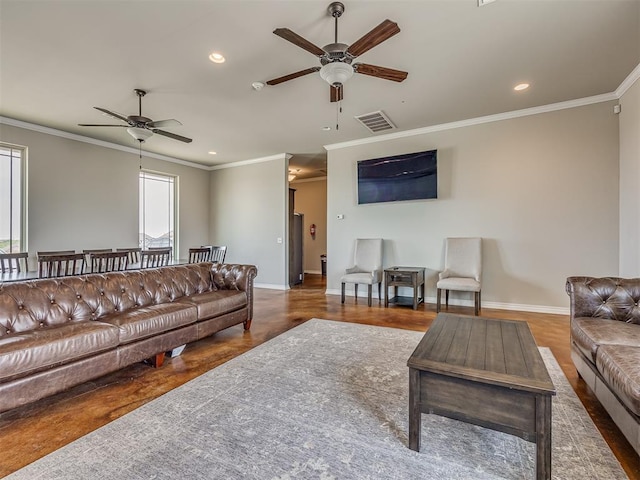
x=411 y=176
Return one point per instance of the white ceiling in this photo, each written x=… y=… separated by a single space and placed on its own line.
x=59 y=58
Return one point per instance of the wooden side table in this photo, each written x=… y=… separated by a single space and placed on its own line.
x=411 y=277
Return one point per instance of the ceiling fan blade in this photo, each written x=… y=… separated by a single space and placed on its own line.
x=164 y=123
x=299 y=41
x=379 y=34
x=99 y=125
x=172 y=135
x=336 y=93
x=380 y=72
x=113 y=114
x=291 y=76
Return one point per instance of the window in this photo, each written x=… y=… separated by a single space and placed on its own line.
x=157 y=210
x=12 y=200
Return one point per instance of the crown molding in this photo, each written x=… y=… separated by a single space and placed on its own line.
x=579 y=102
x=628 y=82
x=271 y=158
x=307 y=180
x=100 y=143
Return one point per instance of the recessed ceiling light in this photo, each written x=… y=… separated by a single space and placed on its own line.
x=326 y=129
x=216 y=57
x=212 y=152
x=521 y=86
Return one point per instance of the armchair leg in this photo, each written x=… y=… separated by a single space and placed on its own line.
x=477 y=303
x=342 y=296
x=438 y=294
x=355 y=291
x=379 y=290
x=446 y=298
x=369 y=288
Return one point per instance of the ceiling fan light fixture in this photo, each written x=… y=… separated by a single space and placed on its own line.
x=140 y=134
x=336 y=72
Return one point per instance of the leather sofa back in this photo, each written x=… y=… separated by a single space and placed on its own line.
x=608 y=297
x=27 y=306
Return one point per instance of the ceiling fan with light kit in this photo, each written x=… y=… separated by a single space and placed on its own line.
x=336 y=58
x=139 y=127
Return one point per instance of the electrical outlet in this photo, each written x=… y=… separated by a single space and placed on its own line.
x=279 y=240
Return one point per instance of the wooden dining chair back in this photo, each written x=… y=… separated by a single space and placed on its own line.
x=217 y=253
x=55 y=252
x=157 y=257
x=87 y=252
x=13 y=262
x=197 y=255
x=102 y=262
x=132 y=253
x=50 y=266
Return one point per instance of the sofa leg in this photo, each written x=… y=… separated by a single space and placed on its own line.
x=369 y=293
x=446 y=298
x=438 y=295
x=157 y=360
x=247 y=324
x=342 y=295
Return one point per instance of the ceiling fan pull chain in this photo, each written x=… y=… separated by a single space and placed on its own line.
x=338 y=110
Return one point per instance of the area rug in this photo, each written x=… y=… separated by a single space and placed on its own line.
x=325 y=400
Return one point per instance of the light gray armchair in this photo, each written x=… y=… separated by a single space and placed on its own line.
x=462 y=269
x=367 y=266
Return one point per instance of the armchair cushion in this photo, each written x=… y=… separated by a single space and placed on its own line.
x=460 y=284
x=368 y=278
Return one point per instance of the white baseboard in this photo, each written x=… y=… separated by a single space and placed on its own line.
x=362 y=292
x=271 y=286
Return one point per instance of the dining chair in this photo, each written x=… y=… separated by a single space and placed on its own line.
x=367 y=267
x=462 y=270
x=216 y=253
x=50 y=266
x=197 y=255
x=132 y=253
x=55 y=252
x=89 y=251
x=102 y=262
x=156 y=257
x=13 y=262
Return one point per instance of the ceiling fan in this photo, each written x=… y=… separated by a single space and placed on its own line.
x=139 y=127
x=336 y=58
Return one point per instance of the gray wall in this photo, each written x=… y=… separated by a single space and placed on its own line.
x=629 y=181
x=82 y=195
x=541 y=190
x=249 y=213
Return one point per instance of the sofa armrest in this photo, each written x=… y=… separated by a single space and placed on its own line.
x=231 y=276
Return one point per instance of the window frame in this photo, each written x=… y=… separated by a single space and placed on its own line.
x=174 y=179
x=23 y=194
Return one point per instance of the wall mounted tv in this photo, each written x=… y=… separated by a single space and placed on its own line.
x=411 y=176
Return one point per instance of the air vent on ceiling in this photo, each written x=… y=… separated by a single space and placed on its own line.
x=375 y=121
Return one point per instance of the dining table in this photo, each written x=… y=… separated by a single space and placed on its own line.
x=33 y=274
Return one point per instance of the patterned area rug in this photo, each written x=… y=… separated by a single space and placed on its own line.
x=325 y=400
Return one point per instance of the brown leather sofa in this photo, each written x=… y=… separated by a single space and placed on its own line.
x=57 y=333
x=605 y=345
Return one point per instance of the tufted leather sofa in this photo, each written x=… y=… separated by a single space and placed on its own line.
x=57 y=333
x=605 y=345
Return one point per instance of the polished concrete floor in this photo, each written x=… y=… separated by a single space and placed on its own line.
x=32 y=431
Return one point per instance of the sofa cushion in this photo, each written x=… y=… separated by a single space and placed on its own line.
x=620 y=367
x=36 y=350
x=589 y=333
x=148 y=321
x=218 y=302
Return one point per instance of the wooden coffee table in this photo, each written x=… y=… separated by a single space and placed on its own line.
x=483 y=371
